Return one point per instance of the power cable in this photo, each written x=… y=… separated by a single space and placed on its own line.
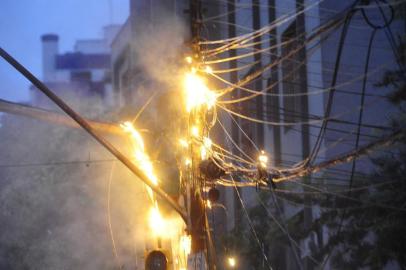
x=371 y=40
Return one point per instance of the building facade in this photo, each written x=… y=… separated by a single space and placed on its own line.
x=85 y=72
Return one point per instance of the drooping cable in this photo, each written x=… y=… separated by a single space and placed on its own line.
x=353 y=166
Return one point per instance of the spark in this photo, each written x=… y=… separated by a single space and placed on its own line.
x=189 y=59
x=197 y=93
x=208 y=70
x=142 y=159
x=156 y=221
x=195 y=131
x=205 y=148
x=183 y=143
x=188 y=162
x=186 y=244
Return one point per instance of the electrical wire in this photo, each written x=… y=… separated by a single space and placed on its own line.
x=353 y=166
x=113 y=243
x=254 y=233
x=327 y=112
x=284 y=229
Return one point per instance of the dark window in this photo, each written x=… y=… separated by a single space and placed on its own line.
x=80 y=76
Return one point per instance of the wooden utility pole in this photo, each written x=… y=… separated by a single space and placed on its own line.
x=197 y=219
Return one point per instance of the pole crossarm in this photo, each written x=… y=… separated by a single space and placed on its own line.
x=92 y=131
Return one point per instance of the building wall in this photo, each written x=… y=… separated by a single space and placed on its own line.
x=83 y=74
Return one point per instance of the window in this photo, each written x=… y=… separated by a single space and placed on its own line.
x=80 y=76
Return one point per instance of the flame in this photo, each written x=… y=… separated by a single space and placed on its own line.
x=140 y=155
x=205 y=148
x=197 y=93
x=184 y=143
x=188 y=162
x=156 y=221
x=195 y=131
x=208 y=69
x=186 y=244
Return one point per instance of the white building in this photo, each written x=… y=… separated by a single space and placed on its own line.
x=85 y=72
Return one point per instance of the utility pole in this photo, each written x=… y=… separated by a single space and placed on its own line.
x=197 y=222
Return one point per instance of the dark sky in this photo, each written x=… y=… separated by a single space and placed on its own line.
x=22 y=22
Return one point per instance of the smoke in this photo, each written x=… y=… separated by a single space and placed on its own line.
x=53 y=194
x=159 y=47
x=54 y=180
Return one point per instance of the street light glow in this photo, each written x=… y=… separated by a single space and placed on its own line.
x=263 y=159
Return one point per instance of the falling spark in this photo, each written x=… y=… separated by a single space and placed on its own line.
x=189 y=59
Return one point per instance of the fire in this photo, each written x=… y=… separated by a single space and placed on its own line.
x=195 y=131
x=156 y=221
x=186 y=244
x=141 y=157
x=197 y=93
x=205 y=148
